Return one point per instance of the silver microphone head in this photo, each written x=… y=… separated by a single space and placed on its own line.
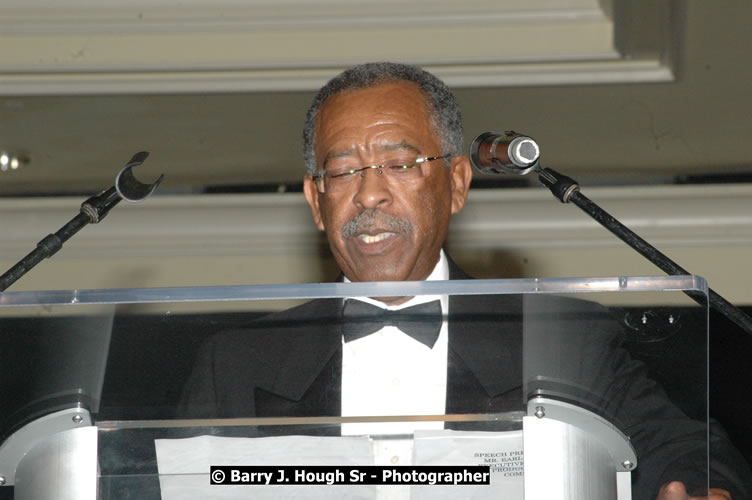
x=508 y=153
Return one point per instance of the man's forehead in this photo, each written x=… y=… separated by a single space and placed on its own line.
x=380 y=119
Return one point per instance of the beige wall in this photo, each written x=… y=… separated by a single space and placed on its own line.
x=263 y=239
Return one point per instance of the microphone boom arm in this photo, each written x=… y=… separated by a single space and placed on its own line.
x=92 y=211
x=567 y=190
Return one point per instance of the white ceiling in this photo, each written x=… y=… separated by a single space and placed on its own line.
x=640 y=91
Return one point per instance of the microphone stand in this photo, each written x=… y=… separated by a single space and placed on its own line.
x=93 y=210
x=567 y=190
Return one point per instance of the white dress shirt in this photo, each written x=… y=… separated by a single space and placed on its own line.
x=390 y=373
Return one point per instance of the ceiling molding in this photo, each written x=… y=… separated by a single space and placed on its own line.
x=22 y=17
x=300 y=48
x=488 y=75
x=709 y=216
x=171 y=46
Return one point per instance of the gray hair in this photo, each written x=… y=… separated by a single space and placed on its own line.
x=446 y=119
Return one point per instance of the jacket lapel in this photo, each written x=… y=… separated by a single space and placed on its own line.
x=485 y=333
x=309 y=336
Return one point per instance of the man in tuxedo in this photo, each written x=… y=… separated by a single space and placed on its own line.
x=383 y=148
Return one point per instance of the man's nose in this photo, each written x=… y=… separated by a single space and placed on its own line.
x=373 y=189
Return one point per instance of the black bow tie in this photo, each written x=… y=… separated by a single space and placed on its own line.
x=422 y=322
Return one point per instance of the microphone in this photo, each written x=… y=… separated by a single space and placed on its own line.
x=507 y=153
x=513 y=153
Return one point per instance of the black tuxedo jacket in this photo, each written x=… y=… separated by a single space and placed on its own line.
x=289 y=364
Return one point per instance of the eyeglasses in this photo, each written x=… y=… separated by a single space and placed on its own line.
x=399 y=170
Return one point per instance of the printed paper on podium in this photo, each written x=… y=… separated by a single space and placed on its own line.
x=184 y=465
x=502 y=451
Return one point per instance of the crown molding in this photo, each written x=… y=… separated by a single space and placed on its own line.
x=456 y=76
x=191 y=46
x=707 y=216
x=23 y=17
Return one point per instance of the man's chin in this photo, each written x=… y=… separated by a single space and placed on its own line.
x=374 y=270
x=386 y=269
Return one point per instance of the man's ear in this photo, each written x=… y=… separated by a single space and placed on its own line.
x=311 y=193
x=462 y=175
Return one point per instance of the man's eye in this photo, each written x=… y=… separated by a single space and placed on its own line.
x=401 y=168
x=341 y=173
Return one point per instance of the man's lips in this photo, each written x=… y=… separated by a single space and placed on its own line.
x=375 y=238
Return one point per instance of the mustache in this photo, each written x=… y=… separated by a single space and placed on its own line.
x=372 y=218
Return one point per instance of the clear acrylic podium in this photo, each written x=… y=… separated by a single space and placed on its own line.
x=586 y=389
